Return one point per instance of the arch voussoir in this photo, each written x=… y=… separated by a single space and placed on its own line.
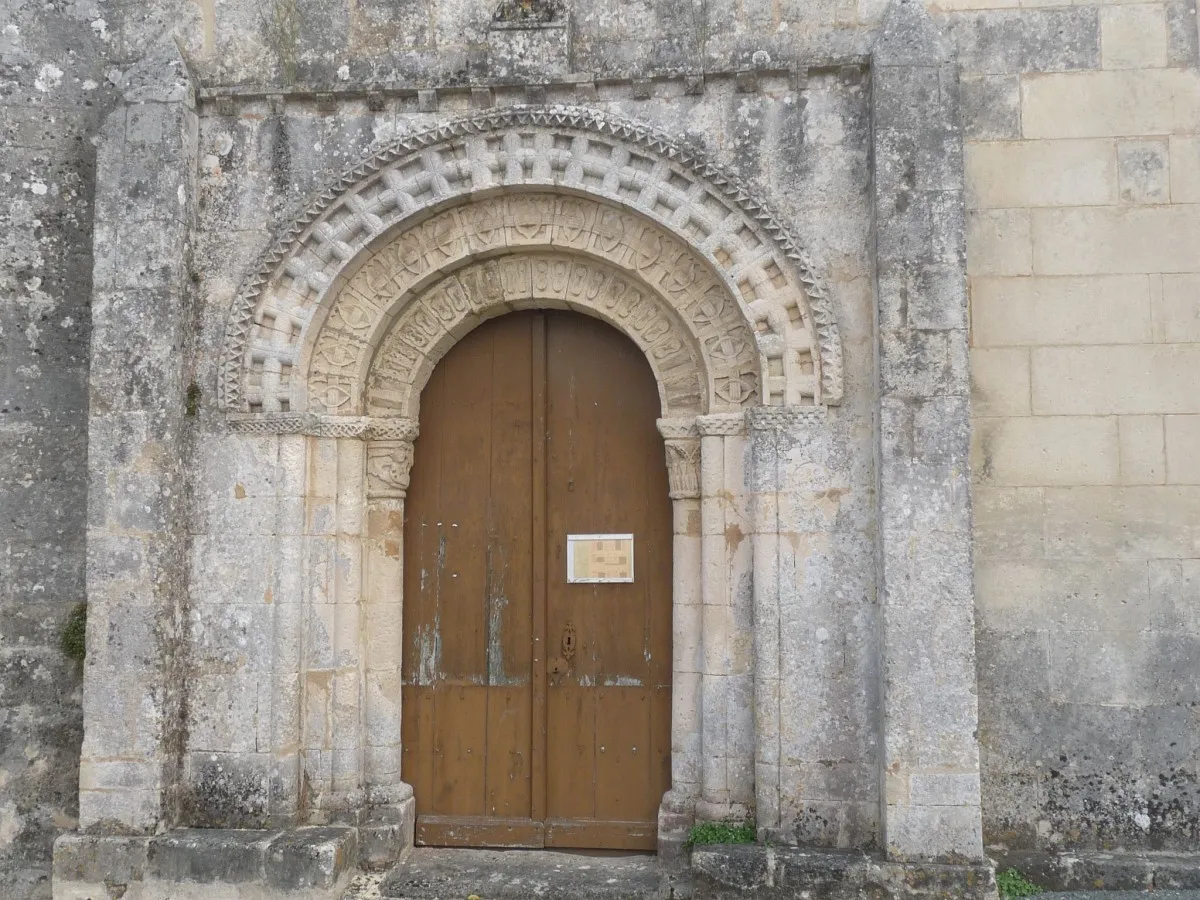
x=578 y=163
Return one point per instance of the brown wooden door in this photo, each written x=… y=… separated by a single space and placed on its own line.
x=537 y=712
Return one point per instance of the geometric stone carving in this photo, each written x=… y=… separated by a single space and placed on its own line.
x=367 y=428
x=712 y=227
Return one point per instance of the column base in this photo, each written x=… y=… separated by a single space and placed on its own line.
x=388 y=834
x=676 y=816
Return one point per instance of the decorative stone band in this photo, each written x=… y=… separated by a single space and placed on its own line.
x=368 y=428
x=721 y=424
x=784 y=418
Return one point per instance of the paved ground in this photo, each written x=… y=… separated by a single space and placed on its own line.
x=438 y=874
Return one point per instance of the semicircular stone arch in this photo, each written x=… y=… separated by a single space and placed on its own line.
x=426 y=329
x=441 y=277
x=693 y=214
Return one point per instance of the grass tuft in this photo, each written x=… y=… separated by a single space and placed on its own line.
x=722 y=833
x=1012 y=884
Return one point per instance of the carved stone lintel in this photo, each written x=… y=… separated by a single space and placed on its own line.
x=721 y=424
x=368 y=428
x=389 y=464
x=683 y=467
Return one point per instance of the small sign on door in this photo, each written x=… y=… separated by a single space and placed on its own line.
x=599 y=558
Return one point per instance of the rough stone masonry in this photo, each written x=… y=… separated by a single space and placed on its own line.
x=919 y=285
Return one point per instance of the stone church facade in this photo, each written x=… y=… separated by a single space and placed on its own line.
x=919 y=292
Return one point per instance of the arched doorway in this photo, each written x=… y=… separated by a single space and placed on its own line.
x=537 y=669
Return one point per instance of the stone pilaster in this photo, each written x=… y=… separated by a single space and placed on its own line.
x=137 y=562
x=930 y=754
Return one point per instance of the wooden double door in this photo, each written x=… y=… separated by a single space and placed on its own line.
x=536 y=709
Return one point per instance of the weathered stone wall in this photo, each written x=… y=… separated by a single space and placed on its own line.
x=51 y=102
x=1082 y=179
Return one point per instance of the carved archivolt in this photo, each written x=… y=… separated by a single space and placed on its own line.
x=671 y=339
x=625 y=196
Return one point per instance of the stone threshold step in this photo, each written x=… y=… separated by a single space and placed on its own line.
x=455 y=874
x=222 y=864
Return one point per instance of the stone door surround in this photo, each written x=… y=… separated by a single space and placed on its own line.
x=340 y=329
x=332 y=337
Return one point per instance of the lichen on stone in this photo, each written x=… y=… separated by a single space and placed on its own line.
x=74 y=633
x=532 y=11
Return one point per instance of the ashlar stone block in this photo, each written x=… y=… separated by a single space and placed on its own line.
x=1046 y=450
x=1124 y=380
x=1133 y=36
x=1110 y=103
x=1098 y=309
x=1006 y=174
x=1144 y=170
x=1143 y=457
x=1182 y=440
x=1176 y=306
x=999 y=242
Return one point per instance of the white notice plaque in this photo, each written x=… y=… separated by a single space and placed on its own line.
x=598 y=558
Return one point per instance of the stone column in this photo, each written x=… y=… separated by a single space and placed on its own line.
x=763 y=489
x=930 y=758
x=389 y=462
x=727 y=708
x=138 y=522
x=346 y=581
x=678 y=810
x=289 y=609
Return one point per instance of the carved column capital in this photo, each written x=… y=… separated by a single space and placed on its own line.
x=389 y=465
x=683 y=467
x=682 y=442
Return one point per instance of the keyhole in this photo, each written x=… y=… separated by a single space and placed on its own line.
x=568 y=641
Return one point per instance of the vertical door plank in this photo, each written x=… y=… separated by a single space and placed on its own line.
x=421 y=638
x=509 y=571
x=459 y=752
x=537 y=529
x=461 y=615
